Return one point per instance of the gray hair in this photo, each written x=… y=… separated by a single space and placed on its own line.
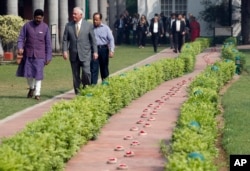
x=79 y=9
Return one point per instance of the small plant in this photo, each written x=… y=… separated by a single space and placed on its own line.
x=10 y=26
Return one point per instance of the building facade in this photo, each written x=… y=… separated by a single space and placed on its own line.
x=58 y=12
x=194 y=7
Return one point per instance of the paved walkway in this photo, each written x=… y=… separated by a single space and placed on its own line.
x=164 y=102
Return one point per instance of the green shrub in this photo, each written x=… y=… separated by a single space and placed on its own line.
x=52 y=140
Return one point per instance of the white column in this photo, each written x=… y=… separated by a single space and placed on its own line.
x=153 y=6
x=93 y=7
x=53 y=10
x=142 y=7
x=103 y=4
x=82 y=4
x=37 y=4
x=63 y=17
x=12 y=7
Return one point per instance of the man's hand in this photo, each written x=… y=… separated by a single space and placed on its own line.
x=111 y=54
x=95 y=56
x=65 y=55
x=47 y=62
x=20 y=52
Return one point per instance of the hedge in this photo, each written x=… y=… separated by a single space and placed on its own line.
x=194 y=137
x=48 y=143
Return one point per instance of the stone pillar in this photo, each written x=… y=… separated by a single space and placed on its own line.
x=82 y=4
x=37 y=4
x=93 y=7
x=103 y=4
x=63 y=17
x=12 y=7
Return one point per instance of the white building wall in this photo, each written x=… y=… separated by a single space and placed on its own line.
x=194 y=7
x=150 y=7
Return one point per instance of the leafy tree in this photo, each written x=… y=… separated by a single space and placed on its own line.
x=10 y=26
x=215 y=13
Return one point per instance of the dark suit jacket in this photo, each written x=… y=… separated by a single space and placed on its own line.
x=117 y=24
x=81 y=45
x=182 y=27
x=160 y=28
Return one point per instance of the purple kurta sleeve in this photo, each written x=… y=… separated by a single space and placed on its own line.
x=21 y=38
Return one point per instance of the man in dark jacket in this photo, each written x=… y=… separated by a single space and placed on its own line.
x=178 y=31
x=156 y=29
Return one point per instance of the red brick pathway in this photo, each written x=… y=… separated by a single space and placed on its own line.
x=94 y=155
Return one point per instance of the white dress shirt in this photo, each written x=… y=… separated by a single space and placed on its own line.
x=178 y=25
x=155 y=28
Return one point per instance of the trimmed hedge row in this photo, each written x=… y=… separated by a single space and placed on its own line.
x=52 y=140
x=230 y=52
x=193 y=141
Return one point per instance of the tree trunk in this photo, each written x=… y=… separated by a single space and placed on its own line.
x=245 y=23
x=12 y=7
x=63 y=17
x=53 y=22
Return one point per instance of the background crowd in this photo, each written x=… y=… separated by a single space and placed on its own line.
x=162 y=29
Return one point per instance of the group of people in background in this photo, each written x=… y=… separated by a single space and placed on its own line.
x=177 y=28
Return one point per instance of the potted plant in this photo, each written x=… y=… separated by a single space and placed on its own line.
x=10 y=26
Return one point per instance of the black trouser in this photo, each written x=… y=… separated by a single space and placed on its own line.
x=155 y=40
x=119 y=36
x=81 y=74
x=178 y=41
x=102 y=62
x=141 y=38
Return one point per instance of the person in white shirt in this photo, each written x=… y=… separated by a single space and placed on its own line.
x=156 y=29
x=178 y=31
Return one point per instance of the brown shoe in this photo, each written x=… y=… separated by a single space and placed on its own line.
x=37 y=97
x=30 y=93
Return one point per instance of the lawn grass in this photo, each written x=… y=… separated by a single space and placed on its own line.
x=236 y=100
x=58 y=78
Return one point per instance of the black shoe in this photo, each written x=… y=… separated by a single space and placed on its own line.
x=30 y=93
x=37 y=97
x=175 y=51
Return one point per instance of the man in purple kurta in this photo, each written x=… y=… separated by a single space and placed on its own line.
x=34 y=44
